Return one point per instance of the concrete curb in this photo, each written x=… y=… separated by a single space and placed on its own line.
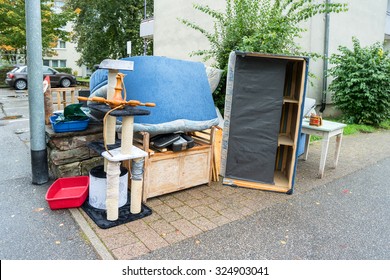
x=101 y=250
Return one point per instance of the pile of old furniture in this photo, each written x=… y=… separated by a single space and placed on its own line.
x=184 y=109
x=170 y=146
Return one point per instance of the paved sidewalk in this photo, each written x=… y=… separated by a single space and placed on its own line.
x=189 y=213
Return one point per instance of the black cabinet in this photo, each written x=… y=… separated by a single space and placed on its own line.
x=263 y=113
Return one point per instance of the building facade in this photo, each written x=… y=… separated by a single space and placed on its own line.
x=365 y=20
x=67 y=55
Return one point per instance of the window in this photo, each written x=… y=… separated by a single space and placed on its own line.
x=57 y=63
x=62 y=63
x=47 y=70
x=46 y=62
x=61 y=44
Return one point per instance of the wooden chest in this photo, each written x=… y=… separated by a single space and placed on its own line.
x=167 y=172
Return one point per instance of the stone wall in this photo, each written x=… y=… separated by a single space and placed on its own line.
x=69 y=154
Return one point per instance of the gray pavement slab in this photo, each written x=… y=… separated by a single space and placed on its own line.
x=347 y=219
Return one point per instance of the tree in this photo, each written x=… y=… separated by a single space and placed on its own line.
x=102 y=28
x=267 y=26
x=13 y=28
x=361 y=83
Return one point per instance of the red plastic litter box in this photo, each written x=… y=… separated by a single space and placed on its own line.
x=68 y=192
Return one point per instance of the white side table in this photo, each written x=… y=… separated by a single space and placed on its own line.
x=326 y=131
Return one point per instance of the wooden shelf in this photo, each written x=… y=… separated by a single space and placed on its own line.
x=286 y=140
x=281 y=180
x=281 y=183
x=287 y=99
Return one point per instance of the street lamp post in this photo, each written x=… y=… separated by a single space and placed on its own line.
x=39 y=166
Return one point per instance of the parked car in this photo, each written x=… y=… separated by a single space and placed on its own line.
x=17 y=78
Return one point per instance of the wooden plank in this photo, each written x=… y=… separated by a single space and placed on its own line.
x=284 y=161
x=171 y=154
x=203 y=133
x=290 y=100
x=293 y=80
x=259 y=186
x=290 y=172
x=275 y=56
x=211 y=155
x=281 y=180
x=218 y=150
x=201 y=140
x=289 y=118
x=281 y=129
x=285 y=139
x=58 y=100
x=163 y=177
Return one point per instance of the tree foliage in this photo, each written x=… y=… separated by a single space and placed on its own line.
x=361 y=84
x=102 y=28
x=266 y=26
x=13 y=28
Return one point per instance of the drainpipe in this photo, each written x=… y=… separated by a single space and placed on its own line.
x=145 y=45
x=39 y=166
x=326 y=54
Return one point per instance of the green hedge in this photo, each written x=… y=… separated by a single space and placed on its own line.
x=361 y=84
x=3 y=71
x=64 y=69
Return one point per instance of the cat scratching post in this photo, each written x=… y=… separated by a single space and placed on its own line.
x=126 y=152
x=136 y=185
x=113 y=67
x=119 y=108
x=113 y=167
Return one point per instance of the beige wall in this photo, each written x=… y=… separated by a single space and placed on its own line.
x=364 y=20
x=71 y=56
x=171 y=37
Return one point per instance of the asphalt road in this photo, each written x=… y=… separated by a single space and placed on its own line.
x=29 y=230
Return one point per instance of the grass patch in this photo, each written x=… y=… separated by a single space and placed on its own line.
x=314 y=138
x=385 y=125
x=80 y=79
x=363 y=128
x=357 y=128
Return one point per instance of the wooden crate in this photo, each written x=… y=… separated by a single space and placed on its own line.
x=167 y=172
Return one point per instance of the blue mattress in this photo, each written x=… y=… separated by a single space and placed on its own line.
x=179 y=88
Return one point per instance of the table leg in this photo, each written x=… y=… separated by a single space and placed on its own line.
x=324 y=152
x=64 y=98
x=307 y=142
x=72 y=96
x=59 y=101
x=339 y=138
